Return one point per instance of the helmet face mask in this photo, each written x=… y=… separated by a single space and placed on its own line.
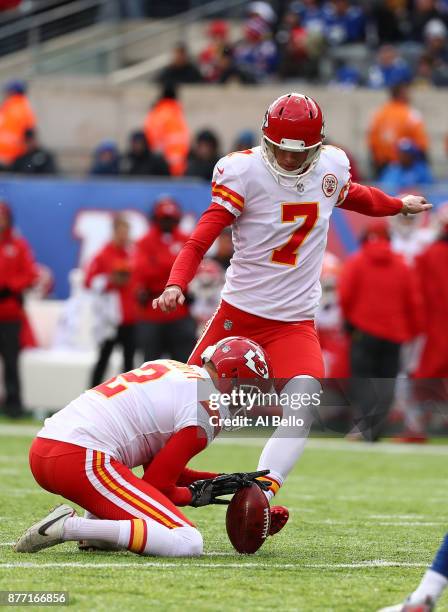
x=295 y=123
x=268 y=152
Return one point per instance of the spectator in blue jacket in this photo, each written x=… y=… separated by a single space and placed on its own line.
x=410 y=169
x=344 y=23
x=390 y=69
x=106 y=159
x=256 y=54
x=311 y=14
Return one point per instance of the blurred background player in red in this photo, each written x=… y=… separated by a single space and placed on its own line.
x=432 y=266
x=329 y=321
x=206 y=289
x=17 y=273
x=381 y=304
x=409 y=236
x=161 y=333
x=114 y=307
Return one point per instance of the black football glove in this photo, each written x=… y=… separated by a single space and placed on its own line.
x=205 y=492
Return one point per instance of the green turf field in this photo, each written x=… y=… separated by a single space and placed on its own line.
x=365 y=520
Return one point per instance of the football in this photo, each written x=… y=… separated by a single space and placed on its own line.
x=248 y=519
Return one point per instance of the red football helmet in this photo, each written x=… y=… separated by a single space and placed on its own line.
x=236 y=358
x=166 y=207
x=293 y=122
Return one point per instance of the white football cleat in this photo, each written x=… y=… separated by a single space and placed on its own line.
x=424 y=606
x=47 y=532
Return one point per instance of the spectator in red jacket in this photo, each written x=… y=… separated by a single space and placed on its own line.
x=381 y=303
x=161 y=333
x=432 y=266
x=17 y=273
x=115 y=308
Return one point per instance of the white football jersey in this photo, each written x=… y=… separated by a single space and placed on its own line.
x=280 y=232
x=132 y=416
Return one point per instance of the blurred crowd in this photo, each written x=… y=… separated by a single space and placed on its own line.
x=375 y=44
x=163 y=145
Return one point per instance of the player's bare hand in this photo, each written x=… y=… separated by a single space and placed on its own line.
x=170 y=298
x=414 y=204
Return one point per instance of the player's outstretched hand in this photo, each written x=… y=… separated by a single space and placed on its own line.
x=208 y=491
x=170 y=298
x=414 y=204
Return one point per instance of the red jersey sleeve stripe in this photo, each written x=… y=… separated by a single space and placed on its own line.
x=228 y=191
x=229 y=199
x=223 y=196
x=235 y=197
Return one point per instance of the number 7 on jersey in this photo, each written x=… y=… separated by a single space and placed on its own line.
x=287 y=254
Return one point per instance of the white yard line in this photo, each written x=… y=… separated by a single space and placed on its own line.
x=22 y=431
x=388 y=448
x=397 y=516
x=208 y=565
x=351 y=523
x=13 y=459
x=23 y=492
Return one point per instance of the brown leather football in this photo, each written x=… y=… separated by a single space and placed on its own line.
x=248 y=519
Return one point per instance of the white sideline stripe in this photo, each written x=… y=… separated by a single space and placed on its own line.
x=412 y=524
x=19 y=491
x=397 y=516
x=381 y=523
x=388 y=448
x=22 y=431
x=207 y=565
x=7 y=543
x=13 y=458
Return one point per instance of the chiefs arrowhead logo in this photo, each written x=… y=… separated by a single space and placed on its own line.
x=256 y=363
x=329 y=185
